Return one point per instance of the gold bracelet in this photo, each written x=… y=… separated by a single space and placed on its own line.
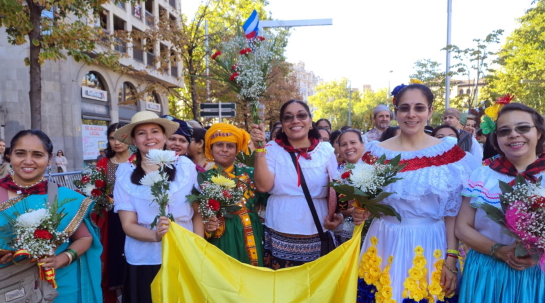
x=69 y=258
x=454 y=271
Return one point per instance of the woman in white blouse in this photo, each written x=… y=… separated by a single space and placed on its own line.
x=291 y=236
x=61 y=162
x=136 y=211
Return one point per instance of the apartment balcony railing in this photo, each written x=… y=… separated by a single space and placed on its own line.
x=150 y=20
x=150 y=59
x=174 y=71
x=120 y=46
x=138 y=54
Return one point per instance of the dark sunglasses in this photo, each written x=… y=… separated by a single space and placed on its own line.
x=521 y=129
x=405 y=108
x=289 y=118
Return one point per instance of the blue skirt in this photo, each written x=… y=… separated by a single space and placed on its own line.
x=486 y=279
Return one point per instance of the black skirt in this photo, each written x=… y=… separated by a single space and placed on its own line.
x=137 y=286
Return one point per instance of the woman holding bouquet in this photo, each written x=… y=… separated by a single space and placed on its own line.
x=492 y=273
x=77 y=261
x=291 y=236
x=410 y=256
x=133 y=202
x=112 y=236
x=233 y=235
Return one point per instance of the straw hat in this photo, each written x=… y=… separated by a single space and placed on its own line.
x=123 y=134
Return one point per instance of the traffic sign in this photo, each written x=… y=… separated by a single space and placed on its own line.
x=224 y=114
x=214 y=107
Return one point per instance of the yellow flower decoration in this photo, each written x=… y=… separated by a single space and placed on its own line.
x=419 y=250
x=223 y=181
x=419 y=262
x=435 y=288
x=374 y=241
x=437 y=254
x=416 y=285
x=370 y=271
x=415 y=81
x=492 y=111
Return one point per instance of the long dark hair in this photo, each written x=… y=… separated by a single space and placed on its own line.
x=110 y=153
x=46 y=142
x=139 y=172
x=390 y=132
x=536 y=117
x=312 y=133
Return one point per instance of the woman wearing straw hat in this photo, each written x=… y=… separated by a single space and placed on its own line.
x=136 y=210
x=237 y=239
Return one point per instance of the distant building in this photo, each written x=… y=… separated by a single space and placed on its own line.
x=306 y=80
x=465 y=87
x=75 y=94
x=367 y=87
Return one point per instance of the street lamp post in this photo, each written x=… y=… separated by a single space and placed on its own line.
x=449 y=22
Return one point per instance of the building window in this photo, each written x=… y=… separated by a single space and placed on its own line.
x=461 y=92
x=93 y=80
x=127 y=94
x=152 y=97
x=468 y=91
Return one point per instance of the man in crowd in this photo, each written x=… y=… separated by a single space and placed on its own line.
x=381 y=118
x=467 y=141
x=101 y=155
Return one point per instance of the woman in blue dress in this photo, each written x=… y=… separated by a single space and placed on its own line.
x=77 y=261
x=492 y=273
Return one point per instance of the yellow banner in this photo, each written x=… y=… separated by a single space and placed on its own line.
x=196 y=271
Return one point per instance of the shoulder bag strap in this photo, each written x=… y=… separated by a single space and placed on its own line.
x=309 y=200
x=52 y=192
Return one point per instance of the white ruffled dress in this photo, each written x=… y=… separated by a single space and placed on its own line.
x=430 y=190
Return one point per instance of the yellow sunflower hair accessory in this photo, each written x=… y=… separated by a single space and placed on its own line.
x=488 y=124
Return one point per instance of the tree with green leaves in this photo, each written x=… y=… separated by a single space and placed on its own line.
x=55 y=29
x=522 y=61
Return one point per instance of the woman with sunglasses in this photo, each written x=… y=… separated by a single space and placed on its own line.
x=412 y=253
x=61 y=162
x=291 y=236
x=492 y=273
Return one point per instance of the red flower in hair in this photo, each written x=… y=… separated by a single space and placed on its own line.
x=99 y=183
x=96 y=192
x=42 y=234
x=346 y=175
x=213 y=205
x=85 y=179
x=233 y=76
x=215 y=55
x=505 y=99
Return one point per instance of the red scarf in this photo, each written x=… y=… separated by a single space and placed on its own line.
x=300 y=152
x=38 y=189
x=504 y=166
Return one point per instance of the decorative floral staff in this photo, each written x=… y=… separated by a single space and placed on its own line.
x=158 y=180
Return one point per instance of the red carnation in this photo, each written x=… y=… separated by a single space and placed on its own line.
x=96 y=192
x=234 y=67
x=99 y=183
x=85 y=179
x=505 y=99
x=215 y=55
x=42 y=234
x=260 y=38
x=213 y=205
x=233 y=76
x=245 y=51
x=346 y=175
x=227 y=194
x=539 y=202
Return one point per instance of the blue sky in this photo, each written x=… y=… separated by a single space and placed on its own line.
x=370 y=38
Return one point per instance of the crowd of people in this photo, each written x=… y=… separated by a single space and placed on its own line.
x=449 y=169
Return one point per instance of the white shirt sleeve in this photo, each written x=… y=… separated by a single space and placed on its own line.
x=476 y=149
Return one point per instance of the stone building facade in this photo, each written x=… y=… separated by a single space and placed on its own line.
x=306 y=80
x=76 y=94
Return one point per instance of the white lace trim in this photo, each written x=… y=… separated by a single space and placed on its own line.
x=445 y=181
x=431 y=151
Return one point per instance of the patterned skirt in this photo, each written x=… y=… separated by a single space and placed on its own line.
x=284 y=250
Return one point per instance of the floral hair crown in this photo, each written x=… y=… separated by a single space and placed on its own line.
x=398 y=88
x=488 y=124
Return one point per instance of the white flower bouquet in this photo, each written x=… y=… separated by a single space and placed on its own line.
x=363 y=183
x=158 y=180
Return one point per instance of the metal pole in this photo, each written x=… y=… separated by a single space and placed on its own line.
x=449 y=23
x=219 y=108
x=207 y=70
x=349 y=104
